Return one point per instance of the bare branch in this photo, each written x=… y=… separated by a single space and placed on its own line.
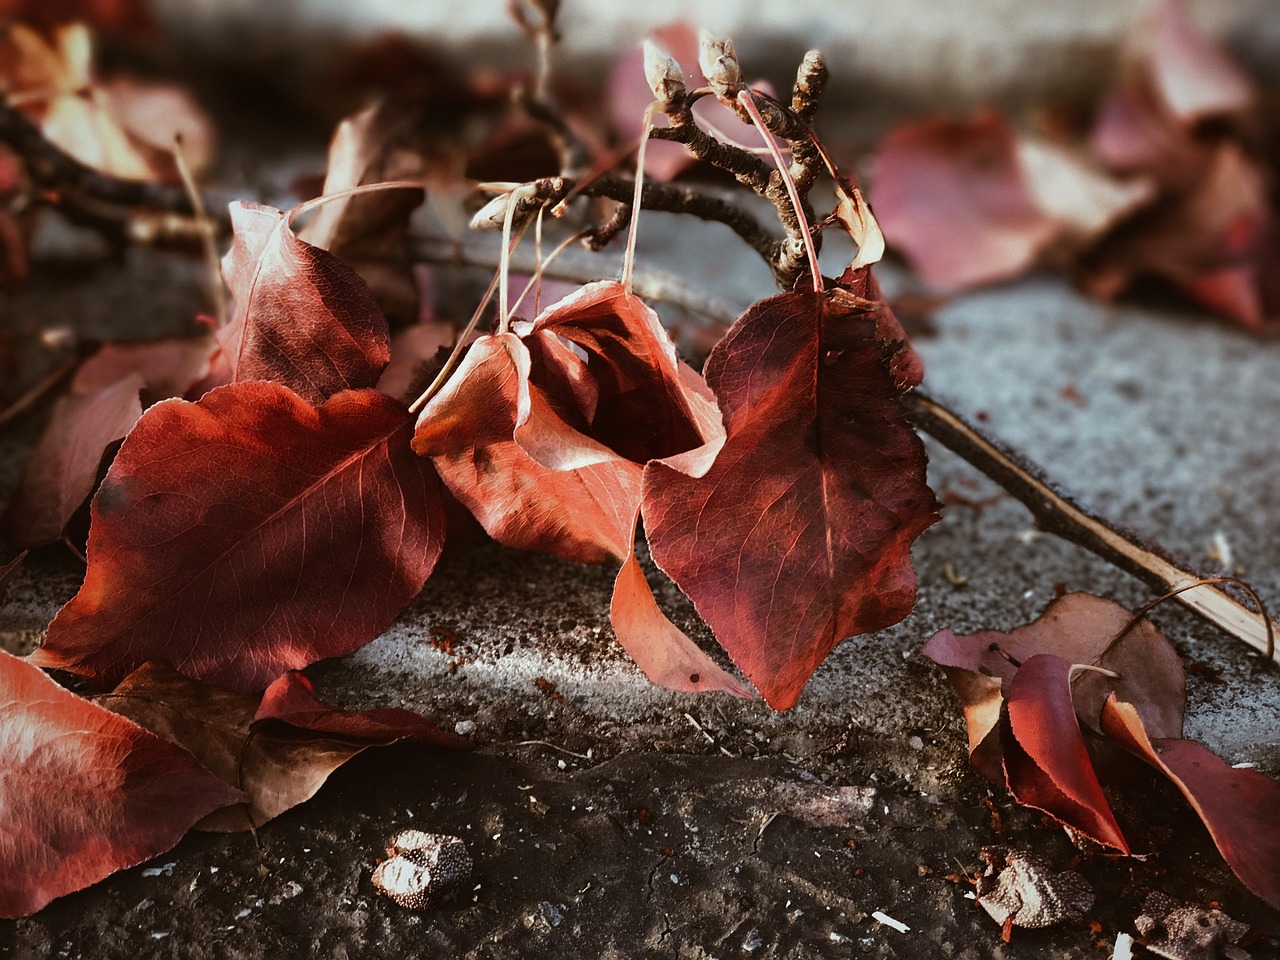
x=1058 y=513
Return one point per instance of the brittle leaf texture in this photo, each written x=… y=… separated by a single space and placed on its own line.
x=1046 y=763
x=279 y=750
x=86 y=792
x=1078 y=627
x=250 y=533
x=302 y=317
x=661 y=649
x=1238 y=806
x=799 y=534
x=468 y=430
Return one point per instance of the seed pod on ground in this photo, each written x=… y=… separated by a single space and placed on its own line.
x=423 y=868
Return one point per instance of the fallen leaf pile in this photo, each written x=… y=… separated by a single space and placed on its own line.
x=275 y=489
x=1170 y=182
x=259 y=503
x=1060 y=734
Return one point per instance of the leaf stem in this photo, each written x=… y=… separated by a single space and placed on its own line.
x=629 y=258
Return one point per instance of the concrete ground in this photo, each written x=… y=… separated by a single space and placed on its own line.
x=1161 y=417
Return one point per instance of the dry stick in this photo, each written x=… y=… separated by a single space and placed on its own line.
x=33 y=396
x=208 y=232
x=797 y=203
x=1057 y=513
x=1173 y=594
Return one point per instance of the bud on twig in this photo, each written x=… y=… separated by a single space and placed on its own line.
x=811 y=80
x=719 y=65
x=665 y=77
x=492 y=215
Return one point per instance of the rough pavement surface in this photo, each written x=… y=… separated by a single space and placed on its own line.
x=609 y=818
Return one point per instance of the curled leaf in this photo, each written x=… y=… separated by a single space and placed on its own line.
x=468 y=429
x=1238 y=806
x=1046 y=763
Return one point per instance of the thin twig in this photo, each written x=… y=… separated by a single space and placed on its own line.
x=1057 y=513
x=33 y=396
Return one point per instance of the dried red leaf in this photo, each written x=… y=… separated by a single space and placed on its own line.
x=661 y=649
x=168 y=367
x=1193 y=76
x=63 y=468
x=643 y=407
x=224 y=538
x=1078 y=627
x=105 y=401
x=1238 y=806
x=952 y=196
x=86 y=793
x=279 y=761
x=302 y=317
x=1046 y=763
x=1212 y=241
x=905 y=364
x=292 y=699
x=799 y=534
x=468 y=429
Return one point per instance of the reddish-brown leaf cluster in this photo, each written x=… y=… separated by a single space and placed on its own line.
x=1059 y=710
x=1170 y=184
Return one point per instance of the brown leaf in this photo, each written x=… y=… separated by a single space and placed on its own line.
x=86 y=793
x=1077 y=627
x=302 y=317
x=276 y=762
x=1238 y=806
x=223 y=541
